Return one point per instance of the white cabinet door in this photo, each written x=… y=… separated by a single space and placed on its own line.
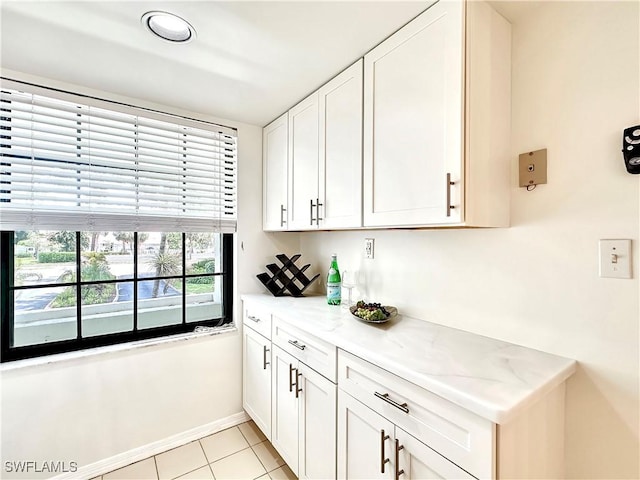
x=284 y=409
x=413 y=121
x=274 y=174
x=303 y=164
x=317 y=446
x=417 y=461
x=256 y=367
x=365 y=441
x=340 y=188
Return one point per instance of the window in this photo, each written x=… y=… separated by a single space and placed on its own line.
x=116 y=223
x=72 y=290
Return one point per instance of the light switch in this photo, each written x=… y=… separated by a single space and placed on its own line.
x=615 y=258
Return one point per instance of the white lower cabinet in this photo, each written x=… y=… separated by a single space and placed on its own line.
x=372 y=447
x=364 y=441
x=303 y=413
x=256 y=378
x=285 y=409
x=317 y=425
x=379 y=425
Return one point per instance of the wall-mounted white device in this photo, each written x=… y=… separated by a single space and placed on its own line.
x=615 y=258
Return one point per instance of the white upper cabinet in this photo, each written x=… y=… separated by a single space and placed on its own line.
x=303 y=164
x=274 y=174
x=413 y=120
x=416 y=134
x=325 y=155
x=340 y=168
x=423 y=165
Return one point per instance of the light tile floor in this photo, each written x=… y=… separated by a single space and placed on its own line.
x=240 y=452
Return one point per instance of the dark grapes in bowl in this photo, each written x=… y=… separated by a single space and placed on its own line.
x=373 y=312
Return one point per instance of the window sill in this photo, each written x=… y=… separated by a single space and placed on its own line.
x=109 y=349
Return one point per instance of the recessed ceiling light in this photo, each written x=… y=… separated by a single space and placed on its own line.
x=168 y=27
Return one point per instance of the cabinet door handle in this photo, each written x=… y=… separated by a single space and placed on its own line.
x=399 y=406
x=449 y=206
x=383 y=460
x=291 y=369
x=253 y=319
x=311 y=211
x=264 y=357
x=398 y=448
x=318 y=205
x=282 y=220
x=298 y=389
x=297 y=345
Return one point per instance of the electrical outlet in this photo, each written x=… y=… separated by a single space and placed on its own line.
x=368 y=248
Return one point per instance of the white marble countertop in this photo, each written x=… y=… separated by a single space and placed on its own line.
x=489 y=377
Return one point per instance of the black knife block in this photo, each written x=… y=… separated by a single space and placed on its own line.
x=287 y=278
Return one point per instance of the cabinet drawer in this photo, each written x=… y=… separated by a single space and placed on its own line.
x=258 y=318
x=457 y=434
x=315 y=353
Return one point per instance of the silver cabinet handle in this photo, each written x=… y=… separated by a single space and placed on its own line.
x=385 y=397
x=298 y=389
x=253 y=319
x=291 y=369
x=449 y=206
x=264 y=357
x=282 y=219
x=398 y=448
x=311 y=211
x=318 y=217
x=297 y=345
x=383 y=460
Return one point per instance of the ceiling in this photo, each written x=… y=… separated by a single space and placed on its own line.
x=251 y=61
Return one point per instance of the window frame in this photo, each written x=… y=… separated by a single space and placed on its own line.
x=7 y=313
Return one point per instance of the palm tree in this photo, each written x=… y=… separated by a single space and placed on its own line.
x=165 y=264
x=125 y=238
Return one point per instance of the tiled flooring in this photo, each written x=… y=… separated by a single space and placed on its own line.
x=240 y=452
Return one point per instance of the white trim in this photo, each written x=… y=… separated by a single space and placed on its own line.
x=140 y=453
x=119 y=347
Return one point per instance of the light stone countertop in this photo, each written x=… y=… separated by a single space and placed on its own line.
x=489 y=377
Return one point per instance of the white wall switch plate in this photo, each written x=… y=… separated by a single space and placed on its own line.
x=615 y=258
x=368 y=248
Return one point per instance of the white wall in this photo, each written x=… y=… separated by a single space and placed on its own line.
x=576 y=86
x=93 y=408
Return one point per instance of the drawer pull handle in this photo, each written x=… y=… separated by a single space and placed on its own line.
x=291 y=369
x=398 y=448
x=385 y=397
x=383 y=460
x=298 y=389
x=264 y=357
x=253 y=319
x=297 y=345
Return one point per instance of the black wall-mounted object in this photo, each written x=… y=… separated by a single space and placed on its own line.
x=287 y=278
x=631 y=149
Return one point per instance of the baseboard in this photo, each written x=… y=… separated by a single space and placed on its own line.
x=135 y=455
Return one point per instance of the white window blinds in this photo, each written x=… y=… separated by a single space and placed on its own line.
x=68 y=164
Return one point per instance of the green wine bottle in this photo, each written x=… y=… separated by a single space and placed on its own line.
x=334 y=282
